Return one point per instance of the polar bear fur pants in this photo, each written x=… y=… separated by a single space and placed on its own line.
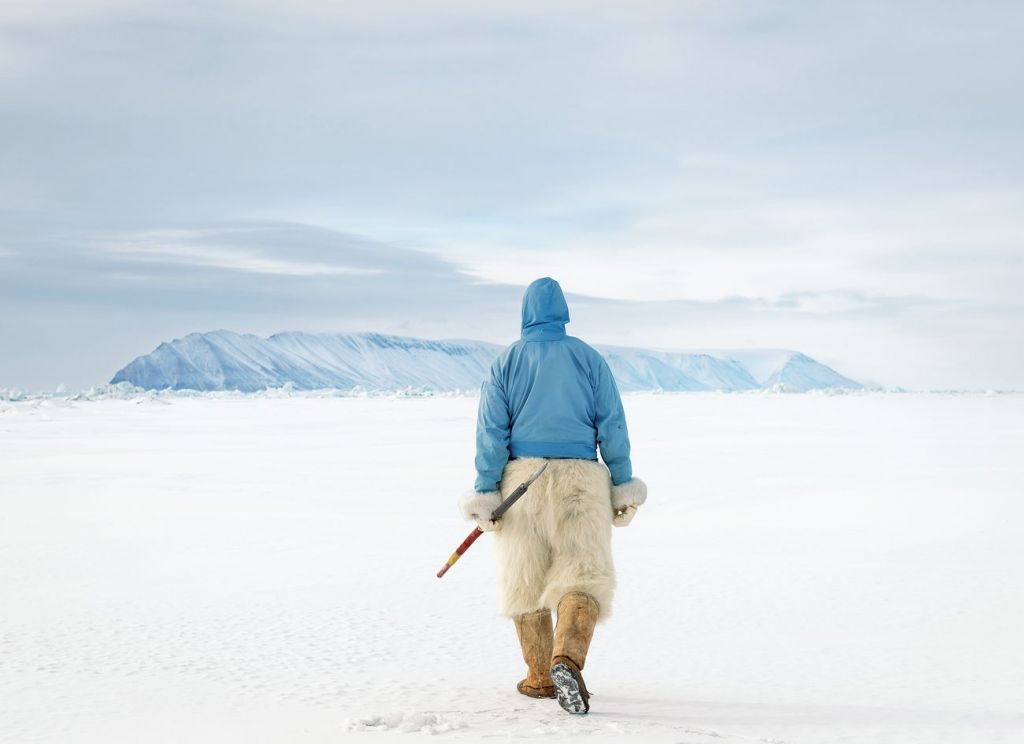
x=557 y=538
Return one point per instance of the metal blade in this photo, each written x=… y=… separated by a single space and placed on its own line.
x=536 y=475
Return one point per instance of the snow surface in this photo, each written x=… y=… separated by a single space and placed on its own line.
x=223 y=360
x=808 y=570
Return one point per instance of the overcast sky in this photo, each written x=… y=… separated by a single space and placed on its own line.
x=846 y=179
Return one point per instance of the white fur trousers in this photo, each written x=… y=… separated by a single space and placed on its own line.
x=557 y=538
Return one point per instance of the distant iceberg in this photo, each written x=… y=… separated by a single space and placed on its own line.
x=224 y=360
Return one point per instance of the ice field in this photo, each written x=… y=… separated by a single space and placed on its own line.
x=809 y=569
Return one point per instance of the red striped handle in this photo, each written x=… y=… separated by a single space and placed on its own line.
x=460 y=550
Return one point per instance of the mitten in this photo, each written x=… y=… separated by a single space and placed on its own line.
x=478 y=506
x=626 y=497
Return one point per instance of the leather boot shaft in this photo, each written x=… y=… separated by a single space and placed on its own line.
x=536 y=637
x=577 y=616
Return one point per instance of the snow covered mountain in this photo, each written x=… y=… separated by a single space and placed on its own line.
x=789 y=370
x=223 y=360
x=641 y=369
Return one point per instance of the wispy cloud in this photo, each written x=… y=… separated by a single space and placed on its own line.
x=200 y=248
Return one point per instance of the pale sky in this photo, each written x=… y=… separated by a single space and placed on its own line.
x=846 y=179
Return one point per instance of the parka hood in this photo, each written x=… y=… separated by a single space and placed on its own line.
x=544 y=308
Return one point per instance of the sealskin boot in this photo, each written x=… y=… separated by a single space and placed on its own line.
x=536 y=637
x=577 y=616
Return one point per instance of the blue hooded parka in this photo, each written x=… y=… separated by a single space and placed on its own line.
x=549 y=395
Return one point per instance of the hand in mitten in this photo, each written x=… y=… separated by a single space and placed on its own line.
x=478 y=506
x=624 y=516
x=626 y=497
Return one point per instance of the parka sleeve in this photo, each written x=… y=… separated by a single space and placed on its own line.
x=493 y=431
x=610 y=420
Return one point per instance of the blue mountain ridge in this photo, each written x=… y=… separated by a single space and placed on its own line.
x=224 y=360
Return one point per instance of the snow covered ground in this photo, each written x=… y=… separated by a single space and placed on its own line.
x=809 y=569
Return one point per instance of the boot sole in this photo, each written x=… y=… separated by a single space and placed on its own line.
x=570 y=692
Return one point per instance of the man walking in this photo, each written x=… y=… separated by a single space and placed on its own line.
x=551 y=397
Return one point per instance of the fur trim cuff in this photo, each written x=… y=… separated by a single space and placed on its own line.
x=479 y=506
x=631 y=493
